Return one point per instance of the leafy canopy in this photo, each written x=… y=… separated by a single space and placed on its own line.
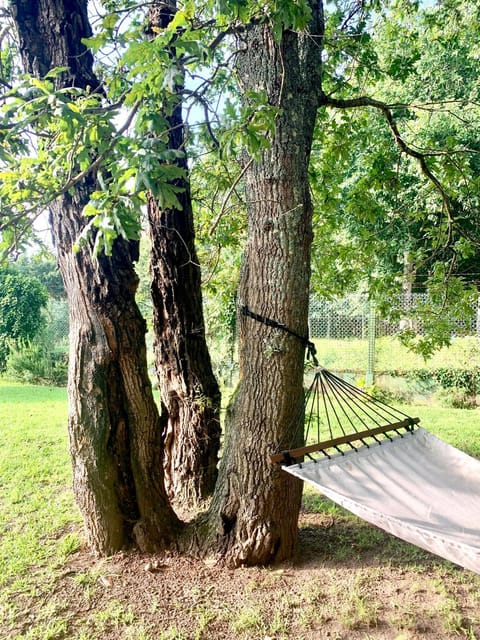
x=394 y=168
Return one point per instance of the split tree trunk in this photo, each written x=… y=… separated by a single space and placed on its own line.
x=253 y=519
x=114 y=426
x=189 y=391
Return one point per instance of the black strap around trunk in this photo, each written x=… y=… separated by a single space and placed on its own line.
x=269 y=322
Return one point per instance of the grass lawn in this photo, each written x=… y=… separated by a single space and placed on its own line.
x=350 y=581
x=38 y=519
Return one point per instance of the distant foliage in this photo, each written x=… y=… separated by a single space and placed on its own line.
x=38 y=364
x=43 y=267
x=22 y=299
x=459 y=388
x=44 y=360
x=468 y=379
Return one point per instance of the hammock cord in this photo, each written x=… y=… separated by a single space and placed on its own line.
x=344 y=408
x=331 y=406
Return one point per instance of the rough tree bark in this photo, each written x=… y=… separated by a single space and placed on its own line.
x=254 y=513
x=114 y=426
x=190 y=395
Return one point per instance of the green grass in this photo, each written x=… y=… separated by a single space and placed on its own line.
x=39 y=528
x=36 y=503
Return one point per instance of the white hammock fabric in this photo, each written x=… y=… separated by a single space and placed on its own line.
x=416 y=487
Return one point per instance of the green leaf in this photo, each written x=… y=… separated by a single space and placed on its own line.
x=110 y=20
x=95 y=43
x=56 y=71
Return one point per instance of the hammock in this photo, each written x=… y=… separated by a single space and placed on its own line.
x=390 y=472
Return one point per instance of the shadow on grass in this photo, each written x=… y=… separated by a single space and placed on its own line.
x=330 y=535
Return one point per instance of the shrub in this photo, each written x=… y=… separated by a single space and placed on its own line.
x=452 y=387
x=21 y=302
x=38 y=364
x=466 y=379
x=44 y=360
x=456 y=398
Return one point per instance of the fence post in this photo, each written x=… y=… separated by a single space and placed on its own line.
x=372 y=322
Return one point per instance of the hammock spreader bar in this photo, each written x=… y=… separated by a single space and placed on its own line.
x=291 y=456
x=347 y=413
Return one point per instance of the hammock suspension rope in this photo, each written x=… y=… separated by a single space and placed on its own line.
x=350 y=414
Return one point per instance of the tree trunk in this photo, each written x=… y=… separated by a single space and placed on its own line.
x=253 y=519
x=114 y=425
x=189 y=392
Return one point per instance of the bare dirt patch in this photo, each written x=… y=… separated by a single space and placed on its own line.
x=370 y=592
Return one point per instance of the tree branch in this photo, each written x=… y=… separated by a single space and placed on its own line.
x=387 y=110
x=206 y=108
x=228 y=196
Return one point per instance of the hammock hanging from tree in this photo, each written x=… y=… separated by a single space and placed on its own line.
x=381 y=466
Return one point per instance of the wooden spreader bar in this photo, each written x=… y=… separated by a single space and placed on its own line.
x=293 y=454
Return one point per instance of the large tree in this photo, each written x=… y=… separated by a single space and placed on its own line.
x=291 y=63
x=255 y=507
x=114 y=425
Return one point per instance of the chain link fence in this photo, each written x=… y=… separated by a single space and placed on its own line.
x=350 y=334
x=351 y=317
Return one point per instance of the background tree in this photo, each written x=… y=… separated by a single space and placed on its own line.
x=372 y=195
x=43 y=266
x=43 y=359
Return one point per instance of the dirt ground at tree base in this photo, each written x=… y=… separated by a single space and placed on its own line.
x=373 y=591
